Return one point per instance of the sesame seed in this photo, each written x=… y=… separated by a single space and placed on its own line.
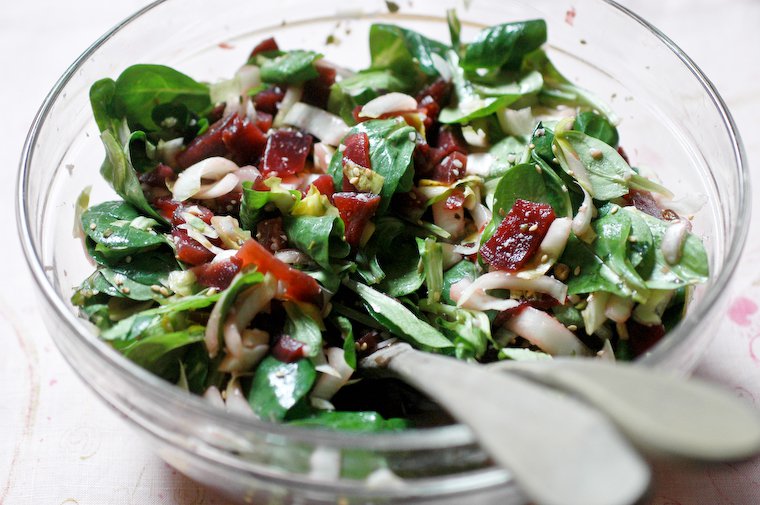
x=577 y=270
x=364 y=346
x=632 y=238
x=108 y=232
x=93 y=226
x=531 y=146
x=538 y=168
x=571 y=173
x=614 y=209
x=511 y=158
x=595 y=153
x=128 y=259
x=561 y=271
x=544 y=258
x=555 y=160
x=125 y=290
x=523 y=227
x=353 y=180
x=502 y=212
x=412 y=136
x=572 y=327
x=457 y=163
x=155 y=288
x=164 y=291
x=564 y=188
x=280 y=374
x=540 y=132
x=533 y=227
x=554 y=149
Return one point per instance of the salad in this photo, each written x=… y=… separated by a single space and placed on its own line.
x=276 y=227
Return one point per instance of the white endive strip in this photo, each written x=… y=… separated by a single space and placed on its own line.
x=213 y=396
x=477 y=299
x=292 y=97
x=545 y=332
x=167 y=151
x=479 y=164
x=672 y=241
x=451 y=220
x=441 y=65
x=323 y=153
x=219 y=188
x=551 y=248
x=189 y=181
x=607 y=353
x=618 y=309
x=327 y=385
x=516 y=122
x=328 y=127
x=200 y=238
x=254 y=345
x=228 y=229
x=504 y=280
x=684 y=206
x=388 y=103
x=582 y=220
x=593 y=315
x=235 y=400
x=450 y=257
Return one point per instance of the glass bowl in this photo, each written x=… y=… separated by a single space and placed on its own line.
x=673 y=121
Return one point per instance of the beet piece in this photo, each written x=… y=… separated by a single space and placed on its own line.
x=269 y=100
x=325 y=185
x=357 y=150
x=623 y=155
x=263 y=121
x=286 y=153
x=645 y=202
x=271 y=234
x=432 y=98
x=189 y=250
x=156 y=178
x=356 y=209
x=288 y=349
x=244 y=141
x=451 y=168
x=317 y=91
x=642 y=338
x=217 y=274
x=455 y=200
x=518 y=236
x=205 y=146
x=172 y=210
x=265 y=46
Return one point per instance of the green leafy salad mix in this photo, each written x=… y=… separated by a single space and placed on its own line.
x=277 y=227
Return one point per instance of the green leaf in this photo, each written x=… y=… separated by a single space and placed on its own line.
x=398 y=319
x=594 y=164
x=391 y=144
x=254 y=204
x=526 y=183
x=319 y=237
x=242 y=281
x=140 y=88
x=432 y=259
x=160 y=353
x=406 y=53
x=293 y=67
x=470 y=330
x=120 y=174
x=119 y=230
x=597 y=126
x=358 y=89
x=504 y=44
x=277 y=387
x=593 y=274
x=349 y=343
x=365 y=422
x=101 y=101
x=300 y=326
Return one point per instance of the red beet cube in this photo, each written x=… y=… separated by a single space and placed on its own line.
x=643 y=338
x=207 y=145
x=455 y=200
x=172 y=210
x=189 y=250
x=518 y=236
x=325 y=185
x=269 y=99
x=286 y=152
x=317 y=91
x=288 y=349
x=217 y=274
x=451 y=168
x=357 y=150
x=244 y=141
x=265 y=46
x=271 y=234
x=356 y=209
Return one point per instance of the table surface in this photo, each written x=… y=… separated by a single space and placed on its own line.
x=60 y=445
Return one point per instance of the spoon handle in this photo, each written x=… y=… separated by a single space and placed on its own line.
x=659 y=412
x=560 y=451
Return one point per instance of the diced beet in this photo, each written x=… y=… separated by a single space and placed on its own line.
x=356 y=209
x=263 y=121
x=244 y=141
x=642 y=338
x=271 y=234
x=325 y=185
x=518 y=236
x=265 y=46
x=288 y=349
x=432 y=98
x=623 y=155
x=645 y=202
x=156 y=178
x=317 y=91
x=357 y=149
x=367 y=343
x=286 y=153
x=455 y=200
x=269 y=100
x=355 y=114
x=217 y=274
x=229 y=203
x=449 y=141
x=451 y=168
x=216 y=113
x=505 y=315
x=189 y=250
x=172 y=210
x=205 y=146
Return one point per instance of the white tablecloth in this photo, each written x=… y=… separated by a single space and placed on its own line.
x=58 y=443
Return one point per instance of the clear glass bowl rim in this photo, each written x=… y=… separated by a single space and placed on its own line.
x=164 y=393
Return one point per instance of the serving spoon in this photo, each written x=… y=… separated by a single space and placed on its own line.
x=560 y=450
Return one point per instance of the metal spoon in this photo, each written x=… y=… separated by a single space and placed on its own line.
x=559 y=450
x=658 y=412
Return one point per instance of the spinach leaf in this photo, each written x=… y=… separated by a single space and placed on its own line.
x=319 y=237
x=558 y=90
x=241 y=281
x=391 y=144
x=369 y=422
x=408 y=54
x=160 y=353
x=593 y=274
x=120 y=174
x=641 y=250
x=292 y=67
x=140 y=88
x=119 y=230
x=254 y=204
x=525 y=182
x=597 y=126
x=347 y=94
x=349 y=343
x=692 y=267
x=399 y=319
x=101 y=101
x=470 y=330
x=514 y=87
x=195 y=368
x=611 y=245
x=504 y=44
x=594 y=164
x=543 y=139
x=300 y=326
x=277 y=387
